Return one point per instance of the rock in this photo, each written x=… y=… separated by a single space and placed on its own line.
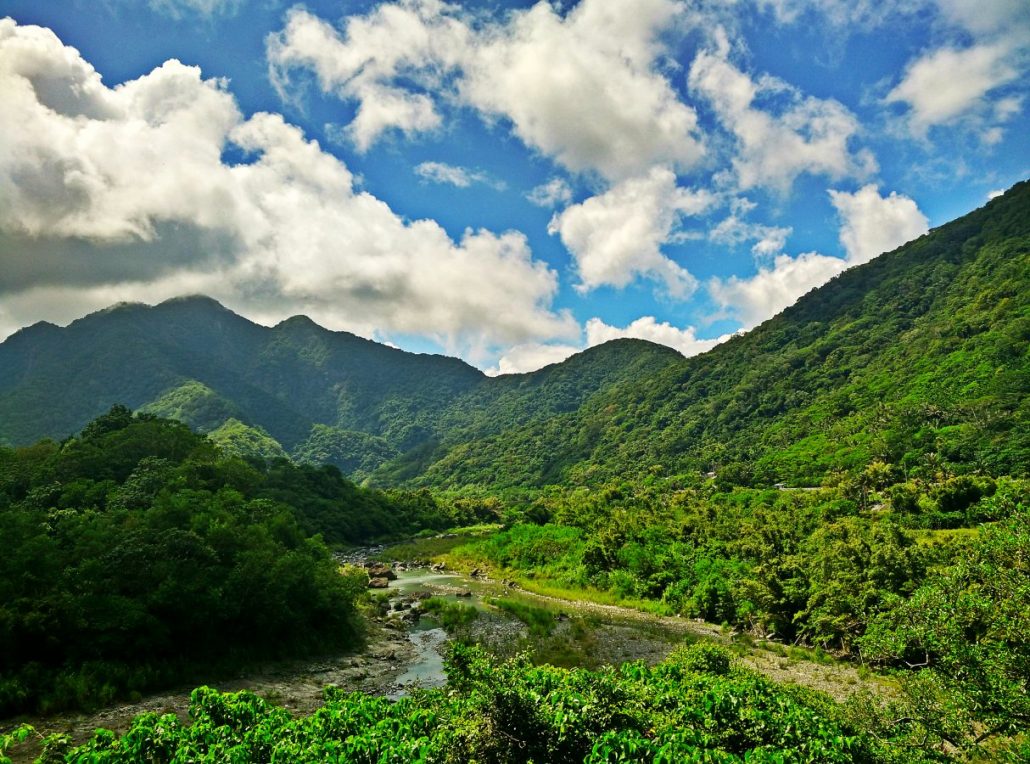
x=382 y=571
x=378 y=583
x=475 y=572
x=464 y=593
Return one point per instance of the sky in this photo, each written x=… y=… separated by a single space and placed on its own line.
x=507 y=182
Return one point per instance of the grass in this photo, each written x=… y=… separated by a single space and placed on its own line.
x=453 y=616
x=540 y=621
x=434 y=548
x=550 y=587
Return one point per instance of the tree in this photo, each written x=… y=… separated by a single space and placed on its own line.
x=965 y=631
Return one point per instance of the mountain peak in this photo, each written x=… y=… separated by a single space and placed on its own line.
x=195 y=301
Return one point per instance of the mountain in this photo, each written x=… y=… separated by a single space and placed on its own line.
x=323 y=396
x=195 y=359
x=918 y=359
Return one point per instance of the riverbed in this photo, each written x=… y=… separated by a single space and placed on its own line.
x=406 y=646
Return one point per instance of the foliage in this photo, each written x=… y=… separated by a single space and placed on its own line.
x=138 y=554
x=354 y=453
x=966 y=629
x=798 y=565
x=677 y=711
x=250 y=443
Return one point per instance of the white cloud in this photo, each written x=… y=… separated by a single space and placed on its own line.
x=860 y=13
x=393 y=42
x=554 y=193
x=532 y=356
x=110 y=188
x=734 y=230
x=617 y=236
x=995 y=193
x=773 y=288
x=872 y=224
x=948 y=83
x=585 y=88
x=648 y=328
x=775 y=145
x=978 y=17
x=983 y=17
x=447 y=174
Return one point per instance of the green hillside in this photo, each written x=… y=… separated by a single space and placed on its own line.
x=918 y=359
x=197 y=361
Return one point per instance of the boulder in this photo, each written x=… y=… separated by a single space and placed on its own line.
x=382 y=571
x=378 y=583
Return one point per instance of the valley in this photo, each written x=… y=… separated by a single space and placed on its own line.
x=809 y=543
x=405 y=652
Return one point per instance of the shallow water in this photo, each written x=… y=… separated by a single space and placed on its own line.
x=426 y=670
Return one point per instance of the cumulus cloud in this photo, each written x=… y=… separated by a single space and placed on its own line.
x=779 y=133
x=110 y=187
x=648 y=328
x=774 y=287
x=451 y=175
x=617 y=236
x=872 y=224
x=585 y=88
x=392 y=43
x=554 y=193
x=532 y=356
x=946 y=84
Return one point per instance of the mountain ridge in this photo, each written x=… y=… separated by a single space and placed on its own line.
x=935 y=325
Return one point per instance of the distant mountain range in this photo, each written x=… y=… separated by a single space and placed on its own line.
x=918 y=359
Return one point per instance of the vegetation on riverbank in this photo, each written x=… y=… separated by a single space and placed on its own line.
x=138 y=555
x=696 y=706
x=946 y=612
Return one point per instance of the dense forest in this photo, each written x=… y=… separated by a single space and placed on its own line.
x=852 y=476
x=917 y=359
x=138 y=554
x=694 y=707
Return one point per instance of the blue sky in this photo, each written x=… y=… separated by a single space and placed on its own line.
x=507 y=182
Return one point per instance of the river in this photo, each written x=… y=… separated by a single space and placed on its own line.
x=406 y=648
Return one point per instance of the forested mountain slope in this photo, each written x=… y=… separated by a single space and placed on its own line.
x=200 y=362
x=918 y=359
x=323 y=396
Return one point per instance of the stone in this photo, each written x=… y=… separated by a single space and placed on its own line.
x=382 y=571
